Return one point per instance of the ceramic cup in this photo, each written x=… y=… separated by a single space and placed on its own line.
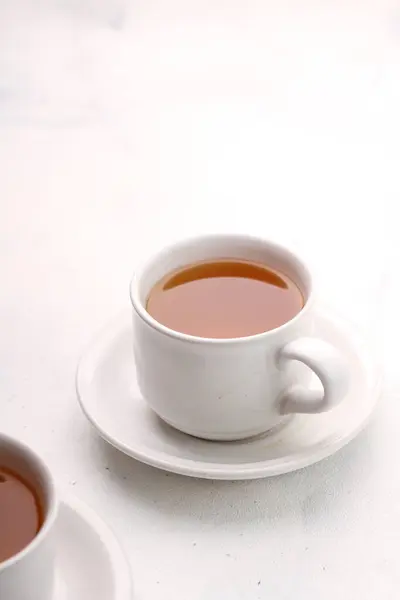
x=29 y=575
x=230 y=389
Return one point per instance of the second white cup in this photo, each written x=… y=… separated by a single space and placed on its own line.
x=29 y=575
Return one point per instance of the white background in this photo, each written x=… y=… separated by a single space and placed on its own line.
x=127 y=123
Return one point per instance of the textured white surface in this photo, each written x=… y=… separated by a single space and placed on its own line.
x=124 y=124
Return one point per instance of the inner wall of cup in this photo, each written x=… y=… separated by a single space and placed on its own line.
x=29 y=469
x=217 y=248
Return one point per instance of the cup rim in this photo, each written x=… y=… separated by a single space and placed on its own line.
x=156 y=325
x=51 y=515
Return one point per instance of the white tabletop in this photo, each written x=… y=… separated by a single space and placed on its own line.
x=124 y=124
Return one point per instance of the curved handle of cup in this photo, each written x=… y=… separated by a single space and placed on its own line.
x=329 y=366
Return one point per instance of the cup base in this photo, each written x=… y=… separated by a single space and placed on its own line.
x=231 y=437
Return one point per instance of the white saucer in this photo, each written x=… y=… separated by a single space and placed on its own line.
x=110 y=399
x=90 y=563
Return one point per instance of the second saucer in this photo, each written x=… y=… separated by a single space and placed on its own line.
x=89 y=560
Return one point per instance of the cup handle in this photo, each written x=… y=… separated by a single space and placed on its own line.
x=329 y=366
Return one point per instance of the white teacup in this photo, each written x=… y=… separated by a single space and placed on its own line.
x=29 y=575
x=230 y=389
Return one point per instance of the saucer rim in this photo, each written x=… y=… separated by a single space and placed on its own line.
x=223 y=471
x=115 y=555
